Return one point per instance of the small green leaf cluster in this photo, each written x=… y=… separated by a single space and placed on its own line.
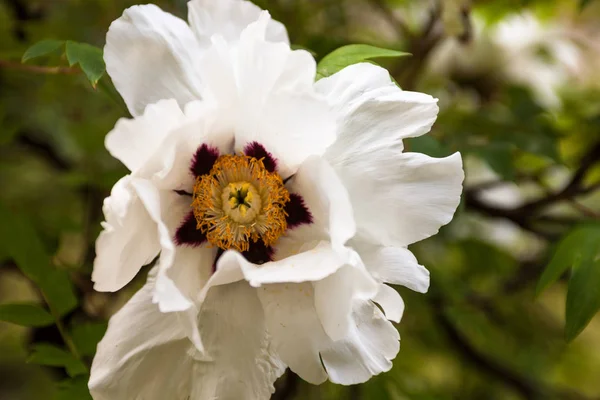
x=20 y=241
x=87 y=57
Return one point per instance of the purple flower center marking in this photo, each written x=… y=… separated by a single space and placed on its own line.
x=203 y=160
x=257 y=151
x=187 y=234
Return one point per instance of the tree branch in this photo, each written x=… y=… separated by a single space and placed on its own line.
x=521 y=177
x=527 y=387
x=526 y=214
x=573 y=188
x=513 y=214
x=583 y=209
x=394 y=20
x=483 y=363
x=420 y=47
x=37 y=69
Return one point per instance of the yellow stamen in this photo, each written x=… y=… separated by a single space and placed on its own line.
x=239 y=202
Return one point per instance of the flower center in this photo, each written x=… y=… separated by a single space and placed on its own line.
x=241 y=202
x=238 y=202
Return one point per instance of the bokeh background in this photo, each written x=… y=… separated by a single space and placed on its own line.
x=519 y=89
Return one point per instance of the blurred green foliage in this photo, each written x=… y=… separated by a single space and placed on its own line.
x=519 y=98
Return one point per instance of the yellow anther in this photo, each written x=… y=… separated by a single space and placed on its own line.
x=239 y=202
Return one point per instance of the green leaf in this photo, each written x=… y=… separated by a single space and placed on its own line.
x=42 y=48
x=89 y=58
x=50 y=355
x=74 y=389
x=25 y=314
x=581 y=244
x=583 y=295
x=580 y=249
x=22 y=243
x=352 y=54
x=87 y=335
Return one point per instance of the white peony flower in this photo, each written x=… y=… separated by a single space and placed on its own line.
x=278 y=209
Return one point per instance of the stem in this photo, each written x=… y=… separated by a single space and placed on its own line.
x=63 y=331
x=37 y=69
x=67 y=338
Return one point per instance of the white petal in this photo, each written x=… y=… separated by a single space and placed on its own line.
x=134 y=141
x=414 y=195
x=297 y=334
x=218 y=70
x=144 y=355
x=373 y=114
x=169 y=166
x=285 y=69
x=228 y=18
x=283 y=112
x=192 y=268
x=391 y=302
x=226 y=273
x=267 y=93
x=129 y=239
x=395 y=265
x=168 y=296
x=406 y=200
x=152 y=55
x=311 y=264
x=368 y=349
x=190 y=271
x=328 y=202
x=161 y=144
x=293 y=127
x=243 y=366
x=337 y=294
x=346 y=87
